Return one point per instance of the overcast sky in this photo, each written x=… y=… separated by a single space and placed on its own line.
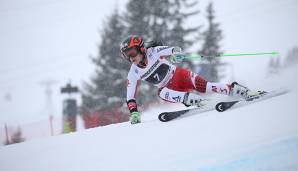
x=51 y=40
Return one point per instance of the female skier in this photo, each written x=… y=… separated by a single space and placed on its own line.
x=175 y=83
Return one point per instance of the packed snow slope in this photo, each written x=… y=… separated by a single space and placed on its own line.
x=260 y=136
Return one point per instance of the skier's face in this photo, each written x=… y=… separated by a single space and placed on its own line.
x=134 y=56
x=136 y=59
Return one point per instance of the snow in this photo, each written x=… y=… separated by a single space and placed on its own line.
x=260 y=136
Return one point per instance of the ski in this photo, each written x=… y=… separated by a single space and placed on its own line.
x=168 y=116
x=220 y=106
x=223 y=106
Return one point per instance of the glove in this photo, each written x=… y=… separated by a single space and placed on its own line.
x=177 y=58
x=135 y=117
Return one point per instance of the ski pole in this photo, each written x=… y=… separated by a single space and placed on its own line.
x=197 y=56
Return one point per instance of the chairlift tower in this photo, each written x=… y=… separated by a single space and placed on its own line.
x=70 y=108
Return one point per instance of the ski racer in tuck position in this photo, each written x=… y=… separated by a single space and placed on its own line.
x=156 y=65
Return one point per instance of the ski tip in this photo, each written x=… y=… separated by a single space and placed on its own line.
x=163 y=117
x=223 y=106
x=219 y=107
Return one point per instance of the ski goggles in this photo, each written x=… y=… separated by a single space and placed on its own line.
x=130 y=53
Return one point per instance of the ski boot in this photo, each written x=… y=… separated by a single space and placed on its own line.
x=191 y=99
x=135 y=118
x=240 y=91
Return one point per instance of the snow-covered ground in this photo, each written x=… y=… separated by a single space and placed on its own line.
x=261 y=136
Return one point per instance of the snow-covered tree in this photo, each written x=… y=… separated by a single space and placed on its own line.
x=292 y=57
x=17 y=136
x=274 y=66
x=107 y=87
x=160 y=20
x=211 y=47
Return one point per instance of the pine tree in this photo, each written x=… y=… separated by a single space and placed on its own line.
x=181 y=11
x=136 y=18
x=17 y=137
x=108 y=86
x=154 y=20
x=292 y=57
x=211 y=37
x=274 y=66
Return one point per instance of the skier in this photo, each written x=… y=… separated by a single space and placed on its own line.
x=156 y=65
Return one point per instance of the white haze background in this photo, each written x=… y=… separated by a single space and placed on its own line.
x=52 y=40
